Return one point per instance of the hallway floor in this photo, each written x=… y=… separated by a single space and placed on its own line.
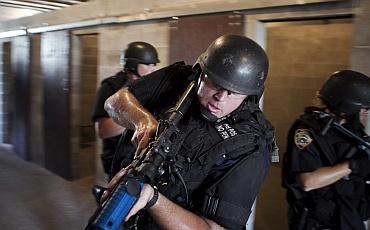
x=33 y=198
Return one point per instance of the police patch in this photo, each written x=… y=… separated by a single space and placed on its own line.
x=302 y=138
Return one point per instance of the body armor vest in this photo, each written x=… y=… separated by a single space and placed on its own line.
x=209 y=153
x=117 y=81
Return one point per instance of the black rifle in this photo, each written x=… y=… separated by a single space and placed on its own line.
x=360 y=143
x=332 y=123
x=146 y=168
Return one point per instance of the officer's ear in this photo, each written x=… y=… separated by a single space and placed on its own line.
x=199 y=81
x=202 y=77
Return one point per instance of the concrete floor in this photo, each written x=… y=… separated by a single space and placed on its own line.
x=33 y=198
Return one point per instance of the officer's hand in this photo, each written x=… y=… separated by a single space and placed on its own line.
x=146 y=194
x=145 y=130
x=112 y=183
x=360 y=166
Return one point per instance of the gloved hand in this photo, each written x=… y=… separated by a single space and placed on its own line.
x=97 y=192
x=360 y=166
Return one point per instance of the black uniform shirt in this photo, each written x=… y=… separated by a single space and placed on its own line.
x=108 y=87
x=306 y=155
x=308 y=151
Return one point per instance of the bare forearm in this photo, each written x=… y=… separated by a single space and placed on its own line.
x=105 y=127
x=323 y=176
x=126 y=110
x=171 y=216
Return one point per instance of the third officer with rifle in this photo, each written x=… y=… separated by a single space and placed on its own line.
x=326 y=166
x=221 y=157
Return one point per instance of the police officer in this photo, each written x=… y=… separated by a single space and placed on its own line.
x=139 y=59
x=223 y=153
x=324 y=171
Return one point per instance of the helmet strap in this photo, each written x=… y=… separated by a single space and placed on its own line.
x=252 y=100
x=206 y=114
x=131 y=66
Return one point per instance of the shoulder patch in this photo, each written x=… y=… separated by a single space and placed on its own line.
x=302 y=138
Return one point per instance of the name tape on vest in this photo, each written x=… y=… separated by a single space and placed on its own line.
x=225 y=130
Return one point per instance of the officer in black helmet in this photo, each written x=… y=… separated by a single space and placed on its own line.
x=222 y=156
x=138 y=59
x=324 y=170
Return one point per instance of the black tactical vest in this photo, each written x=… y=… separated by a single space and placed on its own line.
x=211 y=151
x=117 y=81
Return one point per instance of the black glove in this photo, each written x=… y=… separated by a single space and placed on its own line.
x=360 y=166
x=97 y=192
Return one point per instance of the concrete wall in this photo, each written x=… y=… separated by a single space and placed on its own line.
x=360 y=58
x=140 y=10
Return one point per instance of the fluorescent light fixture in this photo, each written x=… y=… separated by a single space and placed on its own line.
x=72 y=25
x=12 y=33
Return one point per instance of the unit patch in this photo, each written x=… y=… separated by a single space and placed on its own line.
x=302 y=138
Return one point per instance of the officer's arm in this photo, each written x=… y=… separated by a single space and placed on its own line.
x=323 y=176
x=105 y=127
x=169 y=215
x=127 y=111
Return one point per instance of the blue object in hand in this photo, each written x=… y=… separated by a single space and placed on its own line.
x=115 y=209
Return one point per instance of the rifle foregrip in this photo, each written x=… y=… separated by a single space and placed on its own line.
x=116 y=208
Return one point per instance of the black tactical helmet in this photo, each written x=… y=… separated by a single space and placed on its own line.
x=346 y=92
x=138 y=53
x=236 y=63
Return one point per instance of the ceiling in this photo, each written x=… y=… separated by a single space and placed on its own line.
x=13 y=9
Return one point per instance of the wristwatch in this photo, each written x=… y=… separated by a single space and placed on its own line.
x=154 y=199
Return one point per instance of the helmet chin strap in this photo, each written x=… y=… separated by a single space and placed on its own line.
x=136 y=73
x=132 y=71
x=248 y=101
x=207 y=114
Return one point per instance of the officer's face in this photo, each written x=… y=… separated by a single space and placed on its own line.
x=143 y=69
x=363 y=115
x=217 y=100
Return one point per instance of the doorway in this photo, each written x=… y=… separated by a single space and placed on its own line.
x=302 y=55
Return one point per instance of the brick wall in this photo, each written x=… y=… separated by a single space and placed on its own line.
x=114 y=39
x=37 y=109
x=6 y=85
